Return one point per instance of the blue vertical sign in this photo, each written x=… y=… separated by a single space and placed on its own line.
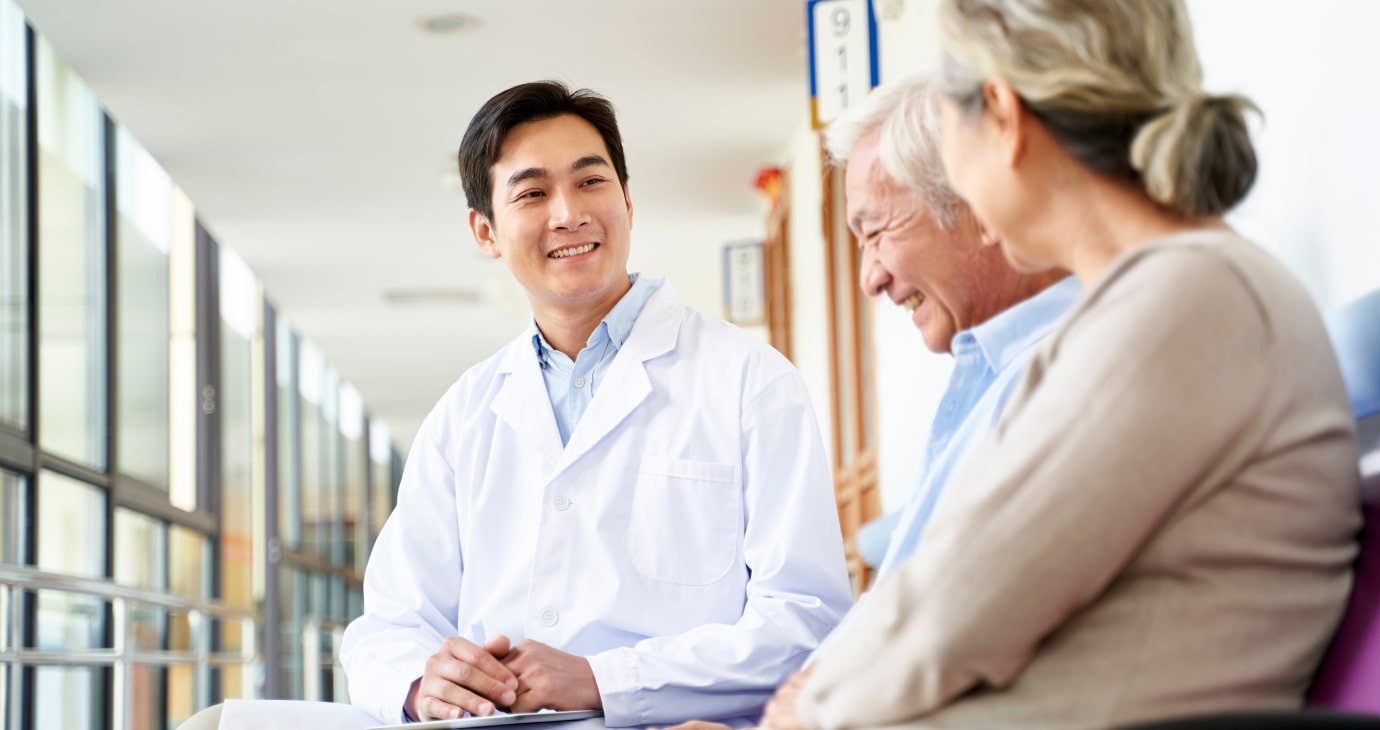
x=842 y=37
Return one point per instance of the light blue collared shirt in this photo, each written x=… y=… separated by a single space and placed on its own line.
x=571 y=384
x=988 y=361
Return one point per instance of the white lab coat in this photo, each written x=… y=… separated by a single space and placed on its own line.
x=685 y=540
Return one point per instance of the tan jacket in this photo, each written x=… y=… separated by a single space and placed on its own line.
x=1162 y=523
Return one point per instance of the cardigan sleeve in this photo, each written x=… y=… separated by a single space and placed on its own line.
x=1146 y=392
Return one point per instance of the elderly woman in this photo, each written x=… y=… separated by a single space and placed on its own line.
x=1164 y=520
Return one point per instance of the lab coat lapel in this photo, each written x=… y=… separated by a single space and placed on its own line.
x=523 y=403
x=627 y=385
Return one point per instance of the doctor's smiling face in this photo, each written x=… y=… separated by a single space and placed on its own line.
x=560 y=218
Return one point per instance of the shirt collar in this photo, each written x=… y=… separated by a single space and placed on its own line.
x=1003 y=338
x=616 y=325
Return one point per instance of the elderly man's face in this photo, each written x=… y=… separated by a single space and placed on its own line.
x=937 y=274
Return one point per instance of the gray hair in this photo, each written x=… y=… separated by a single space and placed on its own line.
x=905 y=113
x=1117 y=83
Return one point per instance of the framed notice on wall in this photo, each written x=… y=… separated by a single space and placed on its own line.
x=745 y=290
x=843 y=56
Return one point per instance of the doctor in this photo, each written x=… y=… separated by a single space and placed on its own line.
x=628 y=506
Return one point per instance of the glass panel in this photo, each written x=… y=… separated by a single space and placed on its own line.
x=189 y=563
x=289 y=443
x=70 y=698
x=180 y=631
x=355 y=606
x=14 y=218
x=381 y=492
x=143 y=195
x=13 y=508
x=71 y=540
x=337 y=609
x=315 y=520
x=184 y=403
x=333 y=486
x=354 y=533
x=141 y=549
x=146 y=695
x=71 y=238
x=181 y=694
x=237 y=440
x=293 y=591
x=232 y=679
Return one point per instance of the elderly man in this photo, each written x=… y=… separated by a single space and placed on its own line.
x=925 y=251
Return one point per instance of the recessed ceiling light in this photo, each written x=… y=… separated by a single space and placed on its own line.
x=447 y=23
x=414 y=297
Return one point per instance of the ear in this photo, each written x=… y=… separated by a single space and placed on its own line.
x=987 y=236
x=483 y=232
x=627 y=198
x=1009 y=114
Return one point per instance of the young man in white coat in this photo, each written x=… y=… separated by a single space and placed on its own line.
x=626 y=508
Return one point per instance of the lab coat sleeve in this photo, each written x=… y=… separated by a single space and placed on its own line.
x=411 y=585
x=797 y=589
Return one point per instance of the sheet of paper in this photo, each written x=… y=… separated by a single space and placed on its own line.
x=293 y=715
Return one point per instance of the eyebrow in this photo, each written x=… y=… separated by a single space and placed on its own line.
x=538 y=173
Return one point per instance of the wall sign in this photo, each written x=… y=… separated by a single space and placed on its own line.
x=745 y=290
x=843 y=56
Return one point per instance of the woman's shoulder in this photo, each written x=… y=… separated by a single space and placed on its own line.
x=1200 y=266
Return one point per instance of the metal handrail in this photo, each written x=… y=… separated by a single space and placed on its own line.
x=15 y=581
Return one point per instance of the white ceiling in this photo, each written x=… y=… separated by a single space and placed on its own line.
x=317 y=139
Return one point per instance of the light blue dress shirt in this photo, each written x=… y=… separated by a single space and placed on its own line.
x=988 y=361
x=571 y=384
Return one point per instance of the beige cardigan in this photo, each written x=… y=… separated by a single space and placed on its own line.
x=1163 y=521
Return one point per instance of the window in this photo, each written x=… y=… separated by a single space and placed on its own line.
x=144 y=200
x=239 y=317
x=71 y=266
x=13 y=488
x=355 y=531
x=14 y=218
x=141 y=555
x=383 y=488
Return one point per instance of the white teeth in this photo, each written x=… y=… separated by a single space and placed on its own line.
x=572 y=251
x=913 y=301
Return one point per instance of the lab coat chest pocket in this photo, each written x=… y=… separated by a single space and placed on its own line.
x=686 y=520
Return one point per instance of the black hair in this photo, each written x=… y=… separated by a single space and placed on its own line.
x=530 y=102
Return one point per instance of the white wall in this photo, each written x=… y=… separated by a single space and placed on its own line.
x=1309 y=65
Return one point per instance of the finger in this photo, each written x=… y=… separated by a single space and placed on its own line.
x=454 y=672
x=430 y=708
x=498 y=646
x=451 y=697
x=487 y=671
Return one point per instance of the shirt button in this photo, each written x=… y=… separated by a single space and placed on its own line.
x=579 y=382
x=561 y=503
x=549 y=617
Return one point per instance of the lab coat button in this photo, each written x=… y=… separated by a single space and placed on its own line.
x=561 y=503
x=549 y=617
